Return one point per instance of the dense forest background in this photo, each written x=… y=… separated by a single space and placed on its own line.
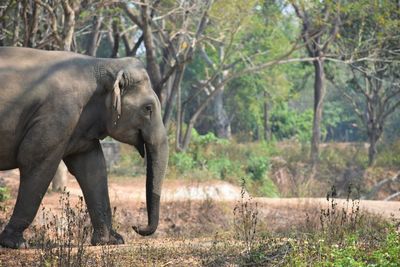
x=306 y=71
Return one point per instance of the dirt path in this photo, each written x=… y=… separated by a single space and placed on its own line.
x=126 y=191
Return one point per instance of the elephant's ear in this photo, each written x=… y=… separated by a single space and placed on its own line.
x=117 y=94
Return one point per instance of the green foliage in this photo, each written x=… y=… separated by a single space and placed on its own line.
x=182 y=161
x=206 y=139
x=130 y=163
x=221 y=167
x=209 y=157
x=288 y=123
x=267 y=188
x=392 y=129
x=257 y=168
x=388 y=253
x=4 y=194
x=389 y=155
x=346 y=237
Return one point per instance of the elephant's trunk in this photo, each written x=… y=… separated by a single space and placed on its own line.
x=157 y=159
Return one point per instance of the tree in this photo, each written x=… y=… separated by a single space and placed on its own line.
x=176 y=29
x=237 y=60
x=370 y=44
x=320 y=26
x=43 y=24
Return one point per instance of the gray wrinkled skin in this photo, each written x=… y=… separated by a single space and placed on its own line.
x=56 y=106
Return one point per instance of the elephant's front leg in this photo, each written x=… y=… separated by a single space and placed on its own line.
x=89 y=168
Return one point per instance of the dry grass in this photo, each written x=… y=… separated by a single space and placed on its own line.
x=250 y=232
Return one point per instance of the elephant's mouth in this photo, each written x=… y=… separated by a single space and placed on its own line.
x=140 y=145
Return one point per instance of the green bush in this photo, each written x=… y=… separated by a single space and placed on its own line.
x=221 y=167
x=388 y=254
x=268 y=188
x=287 y=123
x=389 y=156
x=212 y=157
x=4 y=194
x=346 y=238
x=257 y=168
x=182 y=161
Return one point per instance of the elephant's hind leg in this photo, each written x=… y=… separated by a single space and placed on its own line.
x=33 y=185
x=89 y=168
x=38 y=157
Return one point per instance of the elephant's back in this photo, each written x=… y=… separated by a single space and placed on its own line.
x=31 y=72
x=24 y=59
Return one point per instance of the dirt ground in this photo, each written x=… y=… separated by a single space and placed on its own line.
x=191 y=209
x=128 y=195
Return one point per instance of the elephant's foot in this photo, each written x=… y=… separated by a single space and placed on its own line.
x=12 y=239
x=106 y=238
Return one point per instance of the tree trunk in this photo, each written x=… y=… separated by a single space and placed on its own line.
x=222 y=121
x=31 y=26
x=319 y=93
x=69 y=25
x=179 y=120
x=195 y=116
x=94 y=39
x=267 y=129
x=175 y=87
x=16 y=25
x=153 y=67
x=116 y=37
x=188 y=135
x=374 y=135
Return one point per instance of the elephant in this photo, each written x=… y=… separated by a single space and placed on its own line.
x=57 y=105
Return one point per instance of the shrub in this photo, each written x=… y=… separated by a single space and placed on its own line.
x=182 y=161
x=257 y=167
x=267 y=188
x=388 y=253
x=245 y=219
x=389 y=156
x=221 y=167
x=287 y=123
x=61 y=238
x=4 y=194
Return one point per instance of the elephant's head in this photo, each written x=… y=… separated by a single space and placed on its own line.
x=134 y=117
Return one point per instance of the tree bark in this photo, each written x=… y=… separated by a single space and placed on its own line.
x=33 y=27
x=69 y=24
x=179 y=120
x=195 y=116
x=374 y=132
x=372 y=148
x=175 y=87
x=319 y=93
x=16 y=25
x=151 y=56
x=222 y=121
x=267 y=129
x=95 y=36
x=116 y=37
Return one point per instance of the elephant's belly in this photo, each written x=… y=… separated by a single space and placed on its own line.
x=8 y=155
x=7 y=164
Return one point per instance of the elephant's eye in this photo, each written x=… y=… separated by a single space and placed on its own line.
x=148 y=109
